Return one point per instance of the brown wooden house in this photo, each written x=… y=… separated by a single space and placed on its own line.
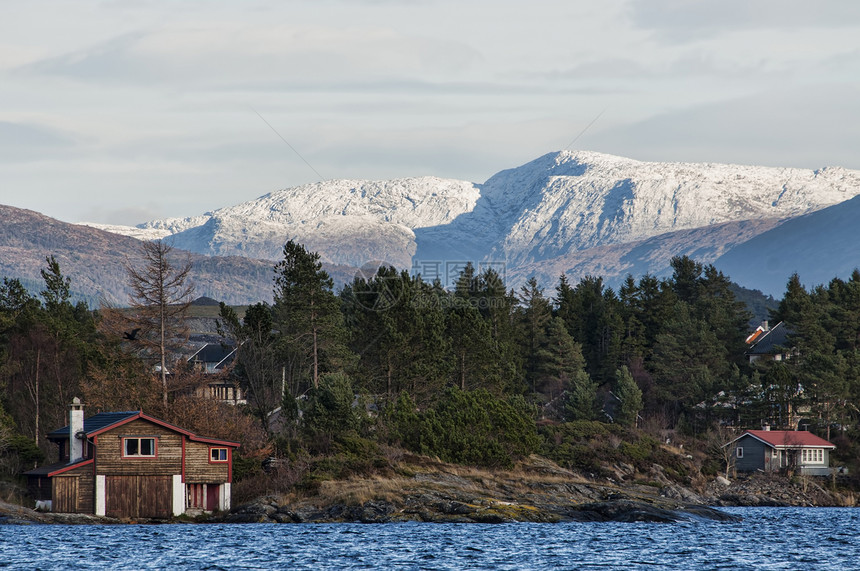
x=131 y=465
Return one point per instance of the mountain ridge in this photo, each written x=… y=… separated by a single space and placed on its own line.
x=572 y=212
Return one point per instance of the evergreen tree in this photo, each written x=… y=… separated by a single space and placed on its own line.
x=401 y=342
x=256 y=365
x=560 y=360
x=307 y=313
x=686 y=278
x=581 y=398
x=534 y=315
x=629 y=397
x=592 y=317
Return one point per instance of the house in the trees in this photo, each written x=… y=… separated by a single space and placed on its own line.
x=131 y=465
x=774 y=450
x=214 y=358
x=769 y=343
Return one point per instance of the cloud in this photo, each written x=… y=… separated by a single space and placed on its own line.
x=28 y=141
x=126 y=216
x=689 y=20
x=807 y=127
x=224 y=55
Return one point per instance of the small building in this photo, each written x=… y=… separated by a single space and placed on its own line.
x=774 y=450
x=212 y=359
x=769 y=343
x=131 y=465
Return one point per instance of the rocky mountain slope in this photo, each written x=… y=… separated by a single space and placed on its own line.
x=818 y=246
x=94 y=260
x=347 y=222
x=573 y=212
x=568 y=201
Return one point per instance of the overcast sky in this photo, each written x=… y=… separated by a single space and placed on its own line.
x=130 y=110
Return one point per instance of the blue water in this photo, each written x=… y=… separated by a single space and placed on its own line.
x=767 y=538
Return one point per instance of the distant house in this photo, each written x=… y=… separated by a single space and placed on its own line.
x=769 y=343
x=774 y=450
x=131 y=465
x=213 y=358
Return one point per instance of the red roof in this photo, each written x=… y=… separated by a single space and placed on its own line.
x=789 y=438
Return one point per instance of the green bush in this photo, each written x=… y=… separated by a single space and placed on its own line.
x=465 y=427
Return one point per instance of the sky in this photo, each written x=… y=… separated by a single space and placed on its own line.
x=120 y=112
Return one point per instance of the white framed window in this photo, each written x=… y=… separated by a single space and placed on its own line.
x=812 y=456
x=739 y=451
x=139 y=447
x=774 y=453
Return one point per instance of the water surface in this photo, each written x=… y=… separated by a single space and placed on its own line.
x=767 y=538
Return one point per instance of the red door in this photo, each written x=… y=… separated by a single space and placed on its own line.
x=212 y=497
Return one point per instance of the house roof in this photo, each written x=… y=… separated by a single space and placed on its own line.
x=217 y=353
x=782 y=439
x=103 y=421
x=767 y=343
x=57 y=468
x=95 y=423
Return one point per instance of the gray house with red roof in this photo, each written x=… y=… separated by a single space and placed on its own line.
x=774 y=450
x=131 y=465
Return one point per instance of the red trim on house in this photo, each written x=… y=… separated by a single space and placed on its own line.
x=70 y=467
x=114 y=425
x=140 y=415
x=183 y=460
x=217 y=442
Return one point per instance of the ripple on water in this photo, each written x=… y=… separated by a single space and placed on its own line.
x=807 y=538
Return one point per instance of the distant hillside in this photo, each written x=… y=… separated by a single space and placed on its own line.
x=818 y=246
x=94 y=259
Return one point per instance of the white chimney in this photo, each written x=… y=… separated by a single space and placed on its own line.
x=76 y=431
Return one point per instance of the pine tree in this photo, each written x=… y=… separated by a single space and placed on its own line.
x=307 y=313
x=534 y=315
x=560 y=360
x=256 y=363
x=629 y=396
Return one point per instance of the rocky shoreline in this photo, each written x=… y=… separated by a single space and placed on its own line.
x=535 y=491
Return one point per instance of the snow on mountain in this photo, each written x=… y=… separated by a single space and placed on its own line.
x=569 y=201
x=346 y=221
x=544 y=211
x=131 y=231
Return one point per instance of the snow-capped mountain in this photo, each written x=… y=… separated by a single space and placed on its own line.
x=568 y=201
x=561 y=211
x=346 y=221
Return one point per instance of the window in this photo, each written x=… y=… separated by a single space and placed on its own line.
x=217 y=454
x=139 y=447
x=812 y=456
x=739 y=451
x=775 y=453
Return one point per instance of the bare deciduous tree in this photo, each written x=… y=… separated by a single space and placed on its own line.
x=160 y=295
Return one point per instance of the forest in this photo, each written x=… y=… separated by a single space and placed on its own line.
x=474 y=374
